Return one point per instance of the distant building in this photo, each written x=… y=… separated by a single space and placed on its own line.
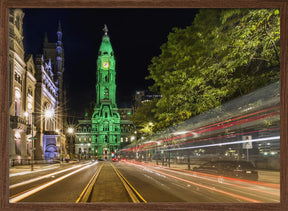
x=35 y=85
x=142 y=96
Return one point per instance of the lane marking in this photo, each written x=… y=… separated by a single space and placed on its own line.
x=138 y=194
x=128 y=189
x=25 y=194
x=87 y=190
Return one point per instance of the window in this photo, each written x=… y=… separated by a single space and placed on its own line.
x=17 y=139
x=17 y=22
x=106 y=93
x=84 y=139
x=17 y=103
x=30 y=92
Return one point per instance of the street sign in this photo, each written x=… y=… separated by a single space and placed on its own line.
x=248 y=144
x=32 y=138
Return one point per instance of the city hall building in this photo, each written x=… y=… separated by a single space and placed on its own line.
x=108 y=129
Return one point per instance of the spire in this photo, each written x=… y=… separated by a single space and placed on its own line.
x=46 y=38
x=106 y=47
x=59 y=32
x=105 y=29
x=59 y=26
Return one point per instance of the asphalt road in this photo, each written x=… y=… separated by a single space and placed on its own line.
x=153 y=184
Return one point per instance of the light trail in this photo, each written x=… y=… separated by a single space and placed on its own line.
x=227 y=143
x=20 y=196
x=204 y=174
x=43 y=177
x=30 y=172
x=236 y=118
x=216 y=126
x=204 y=177
x=209 y=188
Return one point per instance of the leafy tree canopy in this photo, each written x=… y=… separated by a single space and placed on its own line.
x=225 y=53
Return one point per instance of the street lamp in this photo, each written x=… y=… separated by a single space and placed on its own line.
x=70 y=130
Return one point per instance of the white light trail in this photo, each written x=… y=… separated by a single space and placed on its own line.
x=42 y=177
x=227 y=143
x=30 y=172
x=39 y=188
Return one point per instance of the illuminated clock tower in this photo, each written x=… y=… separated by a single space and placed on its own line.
x=105 y=139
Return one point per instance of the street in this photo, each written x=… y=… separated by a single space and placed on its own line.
x=128 y=181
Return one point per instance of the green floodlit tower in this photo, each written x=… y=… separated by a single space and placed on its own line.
x=105 y=139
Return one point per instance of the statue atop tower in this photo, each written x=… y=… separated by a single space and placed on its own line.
x=105 y=29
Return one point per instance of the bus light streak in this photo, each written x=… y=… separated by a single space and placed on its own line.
x=227 y=143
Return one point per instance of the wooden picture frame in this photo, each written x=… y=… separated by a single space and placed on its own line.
x=4 y=96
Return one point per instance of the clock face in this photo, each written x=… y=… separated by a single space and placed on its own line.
x=105 y=64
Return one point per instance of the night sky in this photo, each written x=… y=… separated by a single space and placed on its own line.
x=136 y=36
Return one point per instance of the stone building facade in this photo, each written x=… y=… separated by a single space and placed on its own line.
x=36 y=84
x=22 y=89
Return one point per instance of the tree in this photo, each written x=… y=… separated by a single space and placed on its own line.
x=143 y=116
x=225 y=53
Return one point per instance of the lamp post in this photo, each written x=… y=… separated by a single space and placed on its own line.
x=32 y=138
x=48 y=113
x=60 y=147
x=70 y=131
